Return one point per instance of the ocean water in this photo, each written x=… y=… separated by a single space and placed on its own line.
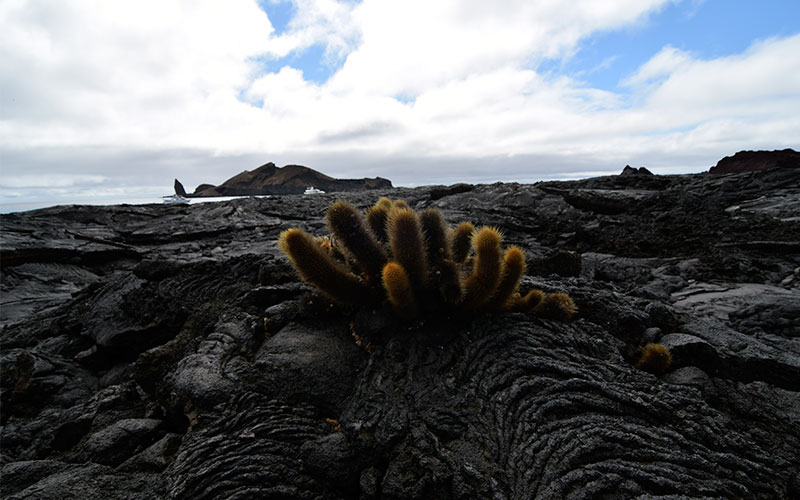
x=10 y=207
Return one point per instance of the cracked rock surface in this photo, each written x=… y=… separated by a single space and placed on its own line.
x=171 y=352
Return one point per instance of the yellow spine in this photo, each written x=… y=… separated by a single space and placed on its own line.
x=376 y=219
x=461 y=241
x=443 y=272
x=407 y=244
x=398 y=290
x=513 y=269
x=481 y=285
x=655 y=359
x=348 y=227
x=315 y=266
x=527 y=303
x=558 y=306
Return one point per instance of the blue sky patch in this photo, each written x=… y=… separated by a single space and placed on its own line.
x=317 y=66
x=280 y=12
x=405 y=98
x=312 y=61
x=707 y=30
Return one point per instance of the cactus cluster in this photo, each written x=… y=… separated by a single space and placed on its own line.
x=416 y=262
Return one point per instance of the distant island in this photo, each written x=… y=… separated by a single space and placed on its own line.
x=290 y=179
x=749 y=161
x=295 y=179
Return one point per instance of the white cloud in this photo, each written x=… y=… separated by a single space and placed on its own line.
x=764 y=75
x=662 y=65
x=418 y=80
x=735 y=101
x=120 y=72
x=412 y=46
x=50 y=181
x=325 y=21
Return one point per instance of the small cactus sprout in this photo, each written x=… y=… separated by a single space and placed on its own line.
x=527 y=303
x=558 y=306
x=316 y=267
x=416 y=263
x=655 y=359
x=462 y=241
x=482 y=284
x=325 y=243
x=398 y=289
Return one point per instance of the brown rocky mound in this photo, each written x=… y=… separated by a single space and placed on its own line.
x=291 y=179
x=748 y=161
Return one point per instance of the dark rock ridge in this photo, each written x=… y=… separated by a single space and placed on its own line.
x=748 y=161
x=179 y=189
x=628 y=170
x=291 y=179
x=166 y=351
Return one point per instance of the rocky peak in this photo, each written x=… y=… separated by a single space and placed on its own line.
x=628 y=170
x=179 y=189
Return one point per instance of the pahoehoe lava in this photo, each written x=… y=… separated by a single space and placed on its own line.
x=172 y=352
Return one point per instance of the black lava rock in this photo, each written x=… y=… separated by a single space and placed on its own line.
x=171 y=352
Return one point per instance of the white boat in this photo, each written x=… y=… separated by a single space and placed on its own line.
x=175 y=199
x=313 y=190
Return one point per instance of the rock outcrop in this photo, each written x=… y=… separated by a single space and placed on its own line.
x=170 y=351
x=179 y=189
x=628 y=170
x=291 y=179
x=748 y=161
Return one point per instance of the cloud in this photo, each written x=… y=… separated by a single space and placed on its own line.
x=324 y=21
x=660 y=67
x=741 y=99
x=412 y=46
x=455 y=82
x=50 y=181
x=761 y=75
x=94 y=72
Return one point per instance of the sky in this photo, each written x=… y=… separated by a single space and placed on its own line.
x=104 y=98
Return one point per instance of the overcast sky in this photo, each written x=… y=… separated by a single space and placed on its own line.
x=114 y=98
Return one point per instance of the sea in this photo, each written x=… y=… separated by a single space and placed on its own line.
x=7 y=207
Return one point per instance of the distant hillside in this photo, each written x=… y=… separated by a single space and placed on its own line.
x=291 y=179
x=748 y=161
